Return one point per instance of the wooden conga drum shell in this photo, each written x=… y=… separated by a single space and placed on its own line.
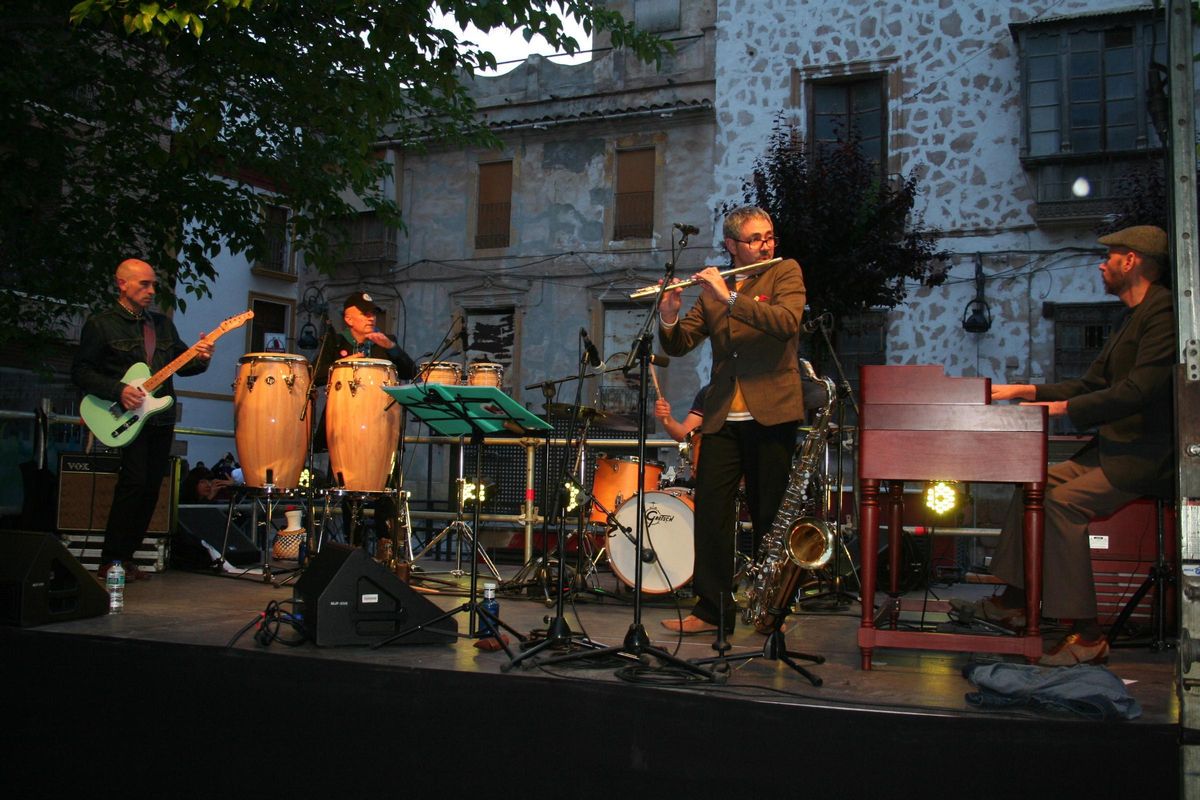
x=362 y=424
x=270 y=427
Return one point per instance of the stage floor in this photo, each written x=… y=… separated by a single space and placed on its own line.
x=195 y=617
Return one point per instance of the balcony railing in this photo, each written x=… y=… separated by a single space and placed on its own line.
x=635 y=215
x=492 y=230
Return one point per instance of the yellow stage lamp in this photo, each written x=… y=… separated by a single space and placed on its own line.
x=572 y=496
x=473 y=492
x=941 y=497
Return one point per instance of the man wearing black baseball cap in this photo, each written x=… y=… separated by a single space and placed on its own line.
x=361 y=339
x=1126 y=395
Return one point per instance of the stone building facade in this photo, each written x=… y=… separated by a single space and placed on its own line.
x=999 y=108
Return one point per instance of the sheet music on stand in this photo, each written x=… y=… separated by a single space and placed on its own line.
x=466 y=410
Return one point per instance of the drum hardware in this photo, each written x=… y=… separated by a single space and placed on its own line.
x=636 y=645
x=266 y=499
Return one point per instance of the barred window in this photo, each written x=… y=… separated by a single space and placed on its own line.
x=634 y=218
x=495 y=205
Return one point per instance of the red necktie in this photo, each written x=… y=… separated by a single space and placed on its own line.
x=149 y=337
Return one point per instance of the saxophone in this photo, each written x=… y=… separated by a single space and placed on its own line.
x=798 y=540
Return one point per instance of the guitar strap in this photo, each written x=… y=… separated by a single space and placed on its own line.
x=150 y=338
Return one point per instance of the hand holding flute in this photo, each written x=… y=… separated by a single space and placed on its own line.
x=648 y=291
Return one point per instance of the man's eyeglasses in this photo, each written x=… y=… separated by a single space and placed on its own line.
x=758 y=241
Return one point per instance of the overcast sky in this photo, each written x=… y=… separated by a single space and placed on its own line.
x=512 y=47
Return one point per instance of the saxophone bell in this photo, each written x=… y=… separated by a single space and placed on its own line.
x=810 y=543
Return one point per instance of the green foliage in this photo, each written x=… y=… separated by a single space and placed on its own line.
x=1140 y=198
x=150 y=129
x=852 y=229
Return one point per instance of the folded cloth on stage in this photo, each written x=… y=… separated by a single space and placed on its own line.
x=1085 y=690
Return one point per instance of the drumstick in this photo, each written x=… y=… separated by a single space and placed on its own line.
x=654 y=377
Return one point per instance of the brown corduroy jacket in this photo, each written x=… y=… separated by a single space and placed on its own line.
x=753 y=343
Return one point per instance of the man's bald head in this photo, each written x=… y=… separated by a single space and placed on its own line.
x=136 y=284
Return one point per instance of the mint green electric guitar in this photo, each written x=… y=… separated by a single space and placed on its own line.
x=117 y=426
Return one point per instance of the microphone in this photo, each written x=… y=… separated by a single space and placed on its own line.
x=686 y=230
x=590 y=354
x=659 y=360
x=817 y=322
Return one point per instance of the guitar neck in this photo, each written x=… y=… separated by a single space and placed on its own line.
x=158 y=378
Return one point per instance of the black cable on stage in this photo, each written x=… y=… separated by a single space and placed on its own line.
x=269 y=622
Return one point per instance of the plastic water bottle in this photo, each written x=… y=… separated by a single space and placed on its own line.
x=492 y=606
x=114 y=581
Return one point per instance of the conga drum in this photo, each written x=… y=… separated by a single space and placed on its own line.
x=270 y=426
x=362 y=423
x=446 y=373
x=485 y=374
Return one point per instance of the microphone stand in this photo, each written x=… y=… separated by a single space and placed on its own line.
x=558 y=631
x=836 y=599
x=315 y=536
x=637 y=644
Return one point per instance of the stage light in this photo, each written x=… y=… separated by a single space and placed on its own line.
x=572 y=496
x=1081 y=187
x=474 y=491
x=305 y=478
x=941 y=497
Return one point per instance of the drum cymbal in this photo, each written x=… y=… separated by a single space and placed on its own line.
x=567 y=409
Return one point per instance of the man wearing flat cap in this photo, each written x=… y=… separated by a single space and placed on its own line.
x=1126 y=395
x=360 y=339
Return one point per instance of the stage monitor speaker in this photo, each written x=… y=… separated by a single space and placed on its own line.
x=347 y=597
x=85 y=493
x=201 y=531
x=41 y=582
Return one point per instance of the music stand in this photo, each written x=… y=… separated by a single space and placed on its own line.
x=458 y=411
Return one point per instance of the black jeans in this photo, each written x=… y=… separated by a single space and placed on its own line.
x=763 y=455
x=144 y=463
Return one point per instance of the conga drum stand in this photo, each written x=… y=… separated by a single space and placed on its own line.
x=457 y=411
x=267 y=498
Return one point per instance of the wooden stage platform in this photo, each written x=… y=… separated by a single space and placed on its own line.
x=164 y=697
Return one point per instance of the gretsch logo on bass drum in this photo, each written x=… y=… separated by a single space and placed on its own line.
x=655 y=516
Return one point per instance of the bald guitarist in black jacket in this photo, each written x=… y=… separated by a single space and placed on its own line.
x=111 y=342
x=1126 y=394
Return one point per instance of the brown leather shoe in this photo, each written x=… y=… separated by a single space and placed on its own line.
x=1073 y=649
x=690 y=626
x=102 y=571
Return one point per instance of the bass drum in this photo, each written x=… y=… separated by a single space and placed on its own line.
x=615 y=481
x=269 y=420
x=667 y=542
